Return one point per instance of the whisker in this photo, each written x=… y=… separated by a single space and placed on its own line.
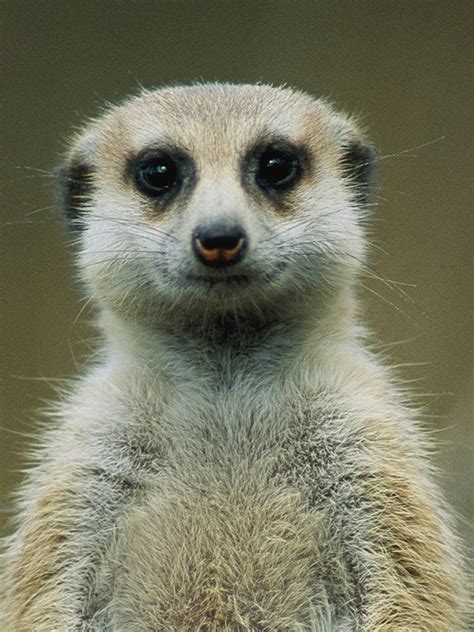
x=408 y=152
x=142 y=226
x=40 y=172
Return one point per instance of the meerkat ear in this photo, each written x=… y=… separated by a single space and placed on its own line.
x=358 y=164
x=75 y=180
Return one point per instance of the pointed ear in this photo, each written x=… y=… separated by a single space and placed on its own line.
x=357 y=161
x=75 y=188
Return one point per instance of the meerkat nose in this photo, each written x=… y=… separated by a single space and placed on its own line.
x=219 y=245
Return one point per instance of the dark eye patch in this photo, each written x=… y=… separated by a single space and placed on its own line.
x=277 y=169
x=157 y=174
x=275 y=166
x=161 y=173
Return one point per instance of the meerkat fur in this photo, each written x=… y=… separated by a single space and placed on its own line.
x=235 y=458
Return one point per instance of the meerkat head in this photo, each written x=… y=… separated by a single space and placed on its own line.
x=213 y=198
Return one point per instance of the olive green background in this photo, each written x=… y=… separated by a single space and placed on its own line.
x=404 y=66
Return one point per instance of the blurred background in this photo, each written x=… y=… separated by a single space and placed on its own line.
x=403 y=66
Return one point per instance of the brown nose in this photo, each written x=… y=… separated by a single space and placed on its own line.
x=219 y=246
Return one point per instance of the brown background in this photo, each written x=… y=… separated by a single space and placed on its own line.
x=405 y=66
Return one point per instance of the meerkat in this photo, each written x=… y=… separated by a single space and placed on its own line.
x=236 y=458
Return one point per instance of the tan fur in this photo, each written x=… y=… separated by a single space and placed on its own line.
x=236 y=459
x=42 y=550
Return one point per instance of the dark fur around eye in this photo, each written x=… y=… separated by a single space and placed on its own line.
x=277 y=168
x=75 y=191
x=161 y=173
x=157 y=174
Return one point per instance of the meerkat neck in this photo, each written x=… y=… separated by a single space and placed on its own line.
x=232 y=347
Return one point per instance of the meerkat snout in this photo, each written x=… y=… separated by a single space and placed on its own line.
x=219 y=244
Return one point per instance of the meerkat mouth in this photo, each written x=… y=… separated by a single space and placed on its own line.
x=231 y=279
x=235 y=279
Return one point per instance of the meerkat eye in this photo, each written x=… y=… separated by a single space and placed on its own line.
x=155 y=175
x=277 y=169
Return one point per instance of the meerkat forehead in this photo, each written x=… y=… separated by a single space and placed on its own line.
x=217 y=121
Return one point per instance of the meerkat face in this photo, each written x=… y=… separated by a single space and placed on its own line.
x=216 y=197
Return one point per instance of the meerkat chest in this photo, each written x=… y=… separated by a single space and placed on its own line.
x=222 y=425
x=228 y=433
x=230 y=477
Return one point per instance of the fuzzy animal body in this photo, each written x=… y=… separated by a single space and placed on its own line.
x=236 y=459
